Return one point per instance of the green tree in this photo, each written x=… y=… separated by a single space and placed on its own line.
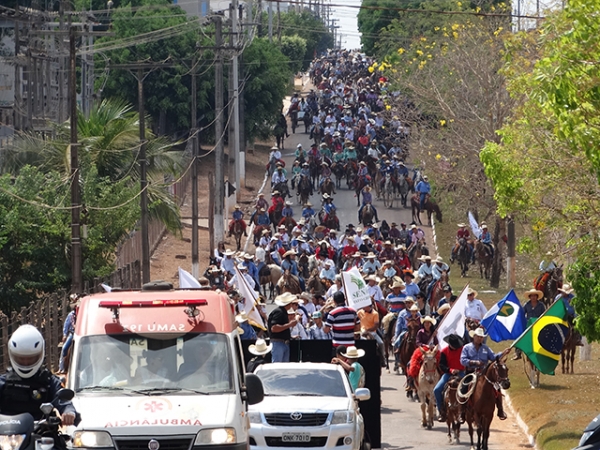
x=310 y=28
x=294 y=47
x=267 y=80
x=373 y=17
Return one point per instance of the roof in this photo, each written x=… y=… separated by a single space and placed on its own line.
x=300 y=365
x=215 y=317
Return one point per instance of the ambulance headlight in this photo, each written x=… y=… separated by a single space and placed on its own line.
x=92 y=439
x=216 y=436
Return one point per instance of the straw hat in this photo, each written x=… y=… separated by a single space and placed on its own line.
x=477 y=332
x=290 y=252
x=285 y=299
x=260 y=348
x=444 y=308
x=461 y=225
x=288 y=203
x=353 y=353
x=429 y=319
x=241 y=317
x=265 y=232
x=229 y=252
x=357 y=255
x=388 y=262
x=539 y=294
x=237 y=206
x=409 y=298
x=398 y=284
x=275 y=192
x=471 y=291
x=413 y=227
x=371 y=255
x=425 y=258
x=413 y=308
x=566 y=289
x=439 y=259
x=308 y=204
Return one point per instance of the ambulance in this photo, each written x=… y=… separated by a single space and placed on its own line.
x=160 y=369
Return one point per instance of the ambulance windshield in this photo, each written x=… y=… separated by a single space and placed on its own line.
x=198 y=362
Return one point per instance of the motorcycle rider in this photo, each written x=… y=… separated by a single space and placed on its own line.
x=26 y=384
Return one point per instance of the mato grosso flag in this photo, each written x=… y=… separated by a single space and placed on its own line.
x=544 y=340
x=506 y=319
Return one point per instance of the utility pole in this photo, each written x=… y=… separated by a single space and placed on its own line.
x=511 y=271
x=278 y=22
x=18 y=118
x=241 y=113
x=231 y=109
x=76 y=255
x=195 y=259
x=270 y=21
x=61 y=64
x=259 y=12
x=143 y=181
x=235 y=119
x=219 y=173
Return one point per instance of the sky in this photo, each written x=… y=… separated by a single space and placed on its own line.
x=347 y=22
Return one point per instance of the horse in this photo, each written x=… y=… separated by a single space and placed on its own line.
x=402 y=188
x=288 y=222
x=238 y=231
x=327 y=187
x=283 y=189
x=275 y=217
x=307 y=119
x=428 y=378
x=406 y=349
x=314 y=284
x=332 y=222
x=388 y=191
x=452 y=407
x=314 y=167
x=317 y=133
x=303 y=265
x=338 y=170
x=269 y=275
x=351 y=170
x=304 y=190
x=484 y=259
x=481 y=405
x=379 y=179
x=389 y=326
x=430 y=206
x=415 y=252
x=437 y=291
x=289 y=283
x=358 y=183
x=258 y=229
x=368 y=214
x=567 y=355
x=463 y=256
x=549 y=283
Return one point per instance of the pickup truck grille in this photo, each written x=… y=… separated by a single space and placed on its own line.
x=278 y=442
x=165 y=443
x=305 y=420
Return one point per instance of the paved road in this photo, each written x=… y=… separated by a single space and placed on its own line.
x=401 y=427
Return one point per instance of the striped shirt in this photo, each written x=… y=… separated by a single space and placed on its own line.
x=395 y=302
x=341 y=320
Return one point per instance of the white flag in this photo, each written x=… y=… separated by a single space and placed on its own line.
x=187 y=280
x=251 y=298
x=454 y=320
x=356 y=289
x=474 y=225
x=106 y=287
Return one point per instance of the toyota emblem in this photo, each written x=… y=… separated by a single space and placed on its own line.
x=153 y=444
x=296 y=416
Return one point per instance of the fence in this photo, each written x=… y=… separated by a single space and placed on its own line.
x=48 y=315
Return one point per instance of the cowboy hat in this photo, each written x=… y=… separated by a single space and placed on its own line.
x=371 y=278
x=425 y=258
x=353 y=353
x=429 y=319
x=308 y=204
x=290 y=252
x=261 y=194
x=387 y=243
x=281 y=227
x=477 y=332
x=471 y=291
x=260 y=348
x=409 y=273
x=241 y=317
x=357 y=255
x=454 y=340
x=326 y=195
x=408 y=298
x=566 y=289
x=413 y=227
x=288 y=203
x=275 y=192
x=425 y=178
x=439 y=259
x=285 y=299
x=371 y=255
x=265 y=232
x=484 y=227
x=413 y=307
x=229 y=252
x=444 y=309
x=387 y=262
x=248 y=256
x=398 y=284
x=237 y=206
x=539 y=294
x=240 y=266
x=461 y=225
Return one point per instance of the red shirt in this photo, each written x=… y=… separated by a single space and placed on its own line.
x=463 y=234
x=453 y=358
x=349 y=250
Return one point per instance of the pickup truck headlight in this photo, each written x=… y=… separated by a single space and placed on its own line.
x=92 y=439
x=11 y=441
x=254 y=417
x=342 y=417
x=216 y=436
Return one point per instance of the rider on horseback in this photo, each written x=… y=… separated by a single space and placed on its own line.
x=385 y=170
x=238 y=216
x=296 y=170
x=276 y=202
x=328 y=206
x=449 y=365
x=350 y=153
x=401 y=169
x=437 y=271
x=475 y=356
x=367 y=199
x=486 y=239
x=300 y=154
x=287 y=211
x=363 y=173
x=410 y=313
x=325 y=173
x=289 y=263
x=326 y=151
x=308 y=212
x=423 y=188
x=279 y=176
x=462 y=233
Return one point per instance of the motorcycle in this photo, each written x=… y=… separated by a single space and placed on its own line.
x=22 y=432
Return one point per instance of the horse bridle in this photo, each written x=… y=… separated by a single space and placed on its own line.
x=498 y=383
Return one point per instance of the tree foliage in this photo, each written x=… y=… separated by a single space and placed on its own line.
x=294 y=47
x=546 y=167
x=373 y=17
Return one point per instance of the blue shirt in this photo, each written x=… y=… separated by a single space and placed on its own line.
x=470 y=353
x=401 y=322
x=287 y=211
x=307 y=212
x=412 y=289
x=249 y=333
x=69 y=326
x=238 y=215
x=423 y=187
x=263 y=219
x=318 y=333
x=290 y=265
x=228 y=264
x=486 y=237
x=328 y=207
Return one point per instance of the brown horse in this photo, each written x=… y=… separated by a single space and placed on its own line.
x=315 y=285
x=275 y=217
x=437 y=291
x=358 y=183
x=289 y=283
x=288 y=222
x=549 y=283
x=482 y=404
x=238 y=231
x=452 y=408
x=428 y=379
x=389 y=325
x=567 y=355
x=484 y=259
x=406 y=349
x=368 y=214
x=430 y=206
x=328 y=187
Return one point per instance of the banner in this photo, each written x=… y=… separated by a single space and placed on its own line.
x=356 y=289
x=187 y=280
x=506 y=319
x=249 y=306
x=454 y=320
x=474 y=225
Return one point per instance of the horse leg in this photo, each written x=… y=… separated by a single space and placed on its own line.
x=470 y=432
x=572 y=357
x=430 y=404
x=424 y=421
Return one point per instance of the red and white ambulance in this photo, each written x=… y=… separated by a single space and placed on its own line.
x=160 y=369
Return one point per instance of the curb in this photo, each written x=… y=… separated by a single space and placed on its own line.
x=435 y=246
x=520 y=421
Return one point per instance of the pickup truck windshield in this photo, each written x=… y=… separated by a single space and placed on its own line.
x=194 y=362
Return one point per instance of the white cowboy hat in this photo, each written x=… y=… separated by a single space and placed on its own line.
x=471 y=291
x=260 y=348
x=237 y=206
x=444 y=308
x=398 y=284
x=285 y=299
x=241 y=317
x=413 y=307
x=229 y=253
x=477 y=332
x=408 y=298
x=371 y=278
x=299 y=145
x=371 y=255
x=425 y=177
x=265 y=232
x=326 y=195
x=462 y=225
x=308 y=204
x=357 y=255
x=484 y=227
x=439 y=259
x=248 y=256
x=425 y=258
x=288 y=203
x=388 y=262
x=413 y=227
x=290 y=252
x=429 y=319
x=539 y=294
x=240 y=266
x=566 y=288
x=353 y=353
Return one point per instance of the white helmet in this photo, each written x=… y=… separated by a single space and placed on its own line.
x=26 y=350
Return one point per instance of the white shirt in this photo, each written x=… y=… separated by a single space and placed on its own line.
x=437 y=270
x=332 y=290
x=373 y=153
x=275 y=154
x=334 y=243
x=260 y=254
x=278 y=177
x=310 y=307
x=475 y=309
x=375 y=293
x=424 y=270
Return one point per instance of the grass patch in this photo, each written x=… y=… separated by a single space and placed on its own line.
x=559 y=410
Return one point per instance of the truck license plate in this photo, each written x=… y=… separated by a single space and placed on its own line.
x=295 y=437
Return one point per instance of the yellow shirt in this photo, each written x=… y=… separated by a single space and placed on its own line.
x=368 y=320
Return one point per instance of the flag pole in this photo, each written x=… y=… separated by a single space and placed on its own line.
x=445 y=315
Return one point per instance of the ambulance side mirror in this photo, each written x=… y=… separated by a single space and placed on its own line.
x=253 y=392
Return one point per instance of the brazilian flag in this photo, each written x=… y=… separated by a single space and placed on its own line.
x=544 y=340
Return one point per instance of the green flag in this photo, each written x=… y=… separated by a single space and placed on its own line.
x=544 y=340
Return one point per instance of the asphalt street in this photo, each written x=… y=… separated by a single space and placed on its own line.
x=401 y=427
